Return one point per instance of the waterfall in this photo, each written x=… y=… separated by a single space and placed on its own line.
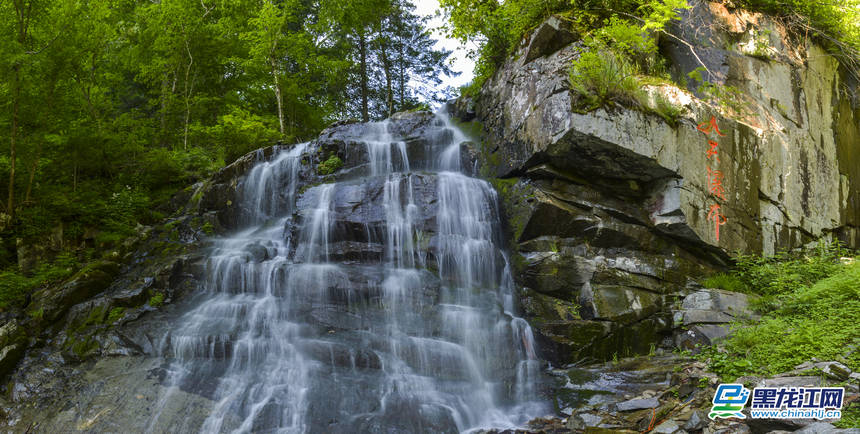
x=377 y=303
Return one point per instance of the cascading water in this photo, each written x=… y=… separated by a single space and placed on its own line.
x=378 y=303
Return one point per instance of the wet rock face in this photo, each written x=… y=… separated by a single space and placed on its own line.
x=372 y=297
x=359 y=216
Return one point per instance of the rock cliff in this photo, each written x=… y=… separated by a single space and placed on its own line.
x=611 y=211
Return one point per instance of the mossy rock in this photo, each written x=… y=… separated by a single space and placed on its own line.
x=330 y=165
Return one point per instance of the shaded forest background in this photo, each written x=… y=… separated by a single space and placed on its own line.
x=111 y=106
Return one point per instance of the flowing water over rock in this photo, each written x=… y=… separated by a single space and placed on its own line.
x=381 y=302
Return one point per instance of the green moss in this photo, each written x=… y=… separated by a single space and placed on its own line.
x=156 y=300
x=96 y=316
x=664 y=108
x=519 y=262
x=511 y=197
x=197 y=197
x=82 y=347
x=329 y=166
x=208 y=228
x=474 y=130
x=115 y=314
x=37 y=314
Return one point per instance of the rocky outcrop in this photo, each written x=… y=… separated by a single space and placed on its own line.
x=610 y=211
x=666 y=393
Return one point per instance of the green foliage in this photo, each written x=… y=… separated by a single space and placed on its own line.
x=37 y=314
x=207 y=228
x=156 y=300
x=616 y=55
x=836 y=23
x=657 y=14
x=498 y=26
x=239 y=132
x=329 y=166
x=121 y=104
x=115 y=314
x=850 y=416
x=787 y=272
x=601 y=78
x=15 y=286
x=728 y=98
x=817 y=320
x=729 y=282
x=761 y=44
x=728 y=366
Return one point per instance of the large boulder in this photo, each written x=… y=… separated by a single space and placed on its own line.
x=706 y=315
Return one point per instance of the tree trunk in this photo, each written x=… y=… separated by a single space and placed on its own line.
x=362 y=49
x=33 y=172
x=188 y=90
x=164 y=88
x=45 y=120
x=402 y=76
x=278 y=96
x=386 y=65
x=16 y=97
x=22 y=14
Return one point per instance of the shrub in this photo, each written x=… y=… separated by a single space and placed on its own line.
x=729 y=282
x=836 y=23
x=819 y=321
x=602 y=77
x=816 y=317
x=787 y=272
x=13 y=288
x=615 y=55
x=329 y=166
x=238 y=132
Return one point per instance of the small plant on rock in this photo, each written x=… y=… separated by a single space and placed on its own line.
x=115 y=314
x=329 y=166
x=726 y=281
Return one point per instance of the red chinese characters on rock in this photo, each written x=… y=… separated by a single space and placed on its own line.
x=715 y=183
x=715 y=177
x=713 y=151
x=707 y=127
x=718 y=219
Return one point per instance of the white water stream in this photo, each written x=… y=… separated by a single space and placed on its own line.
x=295 y=333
